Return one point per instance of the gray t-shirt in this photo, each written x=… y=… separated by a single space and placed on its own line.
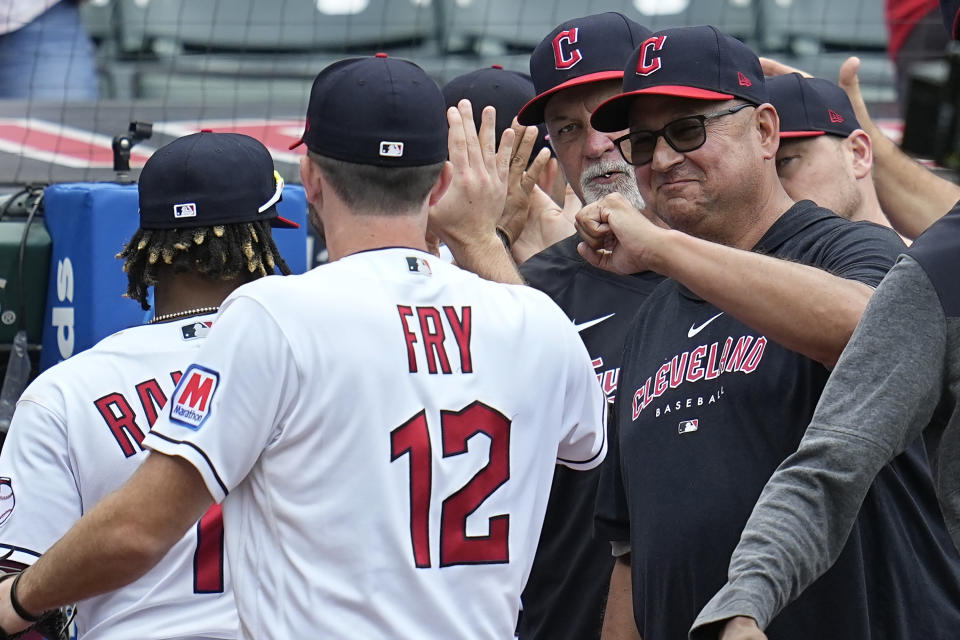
x=898 y=377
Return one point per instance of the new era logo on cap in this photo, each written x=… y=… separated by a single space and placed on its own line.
x=391 y=149
x=811 y=107
x=687 y=62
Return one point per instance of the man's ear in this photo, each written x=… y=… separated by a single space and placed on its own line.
x=861 y=148
x=442 y=184
x=310 y=177
x=768 y=126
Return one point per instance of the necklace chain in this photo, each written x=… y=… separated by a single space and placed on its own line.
x=183 y=314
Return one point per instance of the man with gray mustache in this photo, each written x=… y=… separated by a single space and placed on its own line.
x=575 y=68
x=608 y=176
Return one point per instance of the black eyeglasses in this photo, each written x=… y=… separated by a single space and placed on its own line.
x=683 y=134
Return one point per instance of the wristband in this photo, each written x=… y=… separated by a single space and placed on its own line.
x=23 y=613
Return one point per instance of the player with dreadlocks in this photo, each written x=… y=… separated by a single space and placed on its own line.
x=228 y=249
x=207 y=202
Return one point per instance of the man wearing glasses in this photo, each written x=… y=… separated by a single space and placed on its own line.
x=578 y=65
x=726 y=360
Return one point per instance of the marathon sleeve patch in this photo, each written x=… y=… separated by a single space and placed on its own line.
x=193 y=397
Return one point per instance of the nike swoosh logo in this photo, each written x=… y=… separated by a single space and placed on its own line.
x=694 y=330
x=587 y=325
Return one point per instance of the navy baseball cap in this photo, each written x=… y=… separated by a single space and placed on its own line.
x=811 y=107
x=506 y=91
x=950 y=10
x=687 y=62
x=378 y=111
x=580 y=51
x=207 y=179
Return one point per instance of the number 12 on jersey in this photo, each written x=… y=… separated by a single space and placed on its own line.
x=456 y=427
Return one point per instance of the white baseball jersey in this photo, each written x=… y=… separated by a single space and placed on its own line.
x=386 y=427
x=75 y=437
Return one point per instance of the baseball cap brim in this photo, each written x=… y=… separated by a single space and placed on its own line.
x=283 y=223
x=270 y=207
x=801 y=134
x=614 y=114
x=533 y=111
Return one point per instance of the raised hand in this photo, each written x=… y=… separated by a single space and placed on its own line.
x=521 y=181
x=470 y=209
x=547 y=223
x=850 y=82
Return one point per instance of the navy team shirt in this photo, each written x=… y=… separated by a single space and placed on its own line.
x=707 y=409
x=570 y=577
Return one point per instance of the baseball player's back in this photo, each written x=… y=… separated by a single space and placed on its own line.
x=400 y=490
x=75 y=437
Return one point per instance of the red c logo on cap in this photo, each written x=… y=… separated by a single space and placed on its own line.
x=562 y=60
x=646 y=66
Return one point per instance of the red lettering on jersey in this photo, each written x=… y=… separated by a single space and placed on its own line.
x=726 y=352
x=152 y=399
x=208 y=558
x=413 y=437
x=565 y=40
x=609 y=381
x=642 y=398
x=433 y=335
x=196 y=391
x=175 y=376
x=712 y=370
x=456 y=547
x=661 y=380
x=121 y=420
x=695 y=372
x=678 y=364
x=409 y=336
x=461 y=332
x=645 y=64
x=739 y=353
x=753 y=360
x=706 y=362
